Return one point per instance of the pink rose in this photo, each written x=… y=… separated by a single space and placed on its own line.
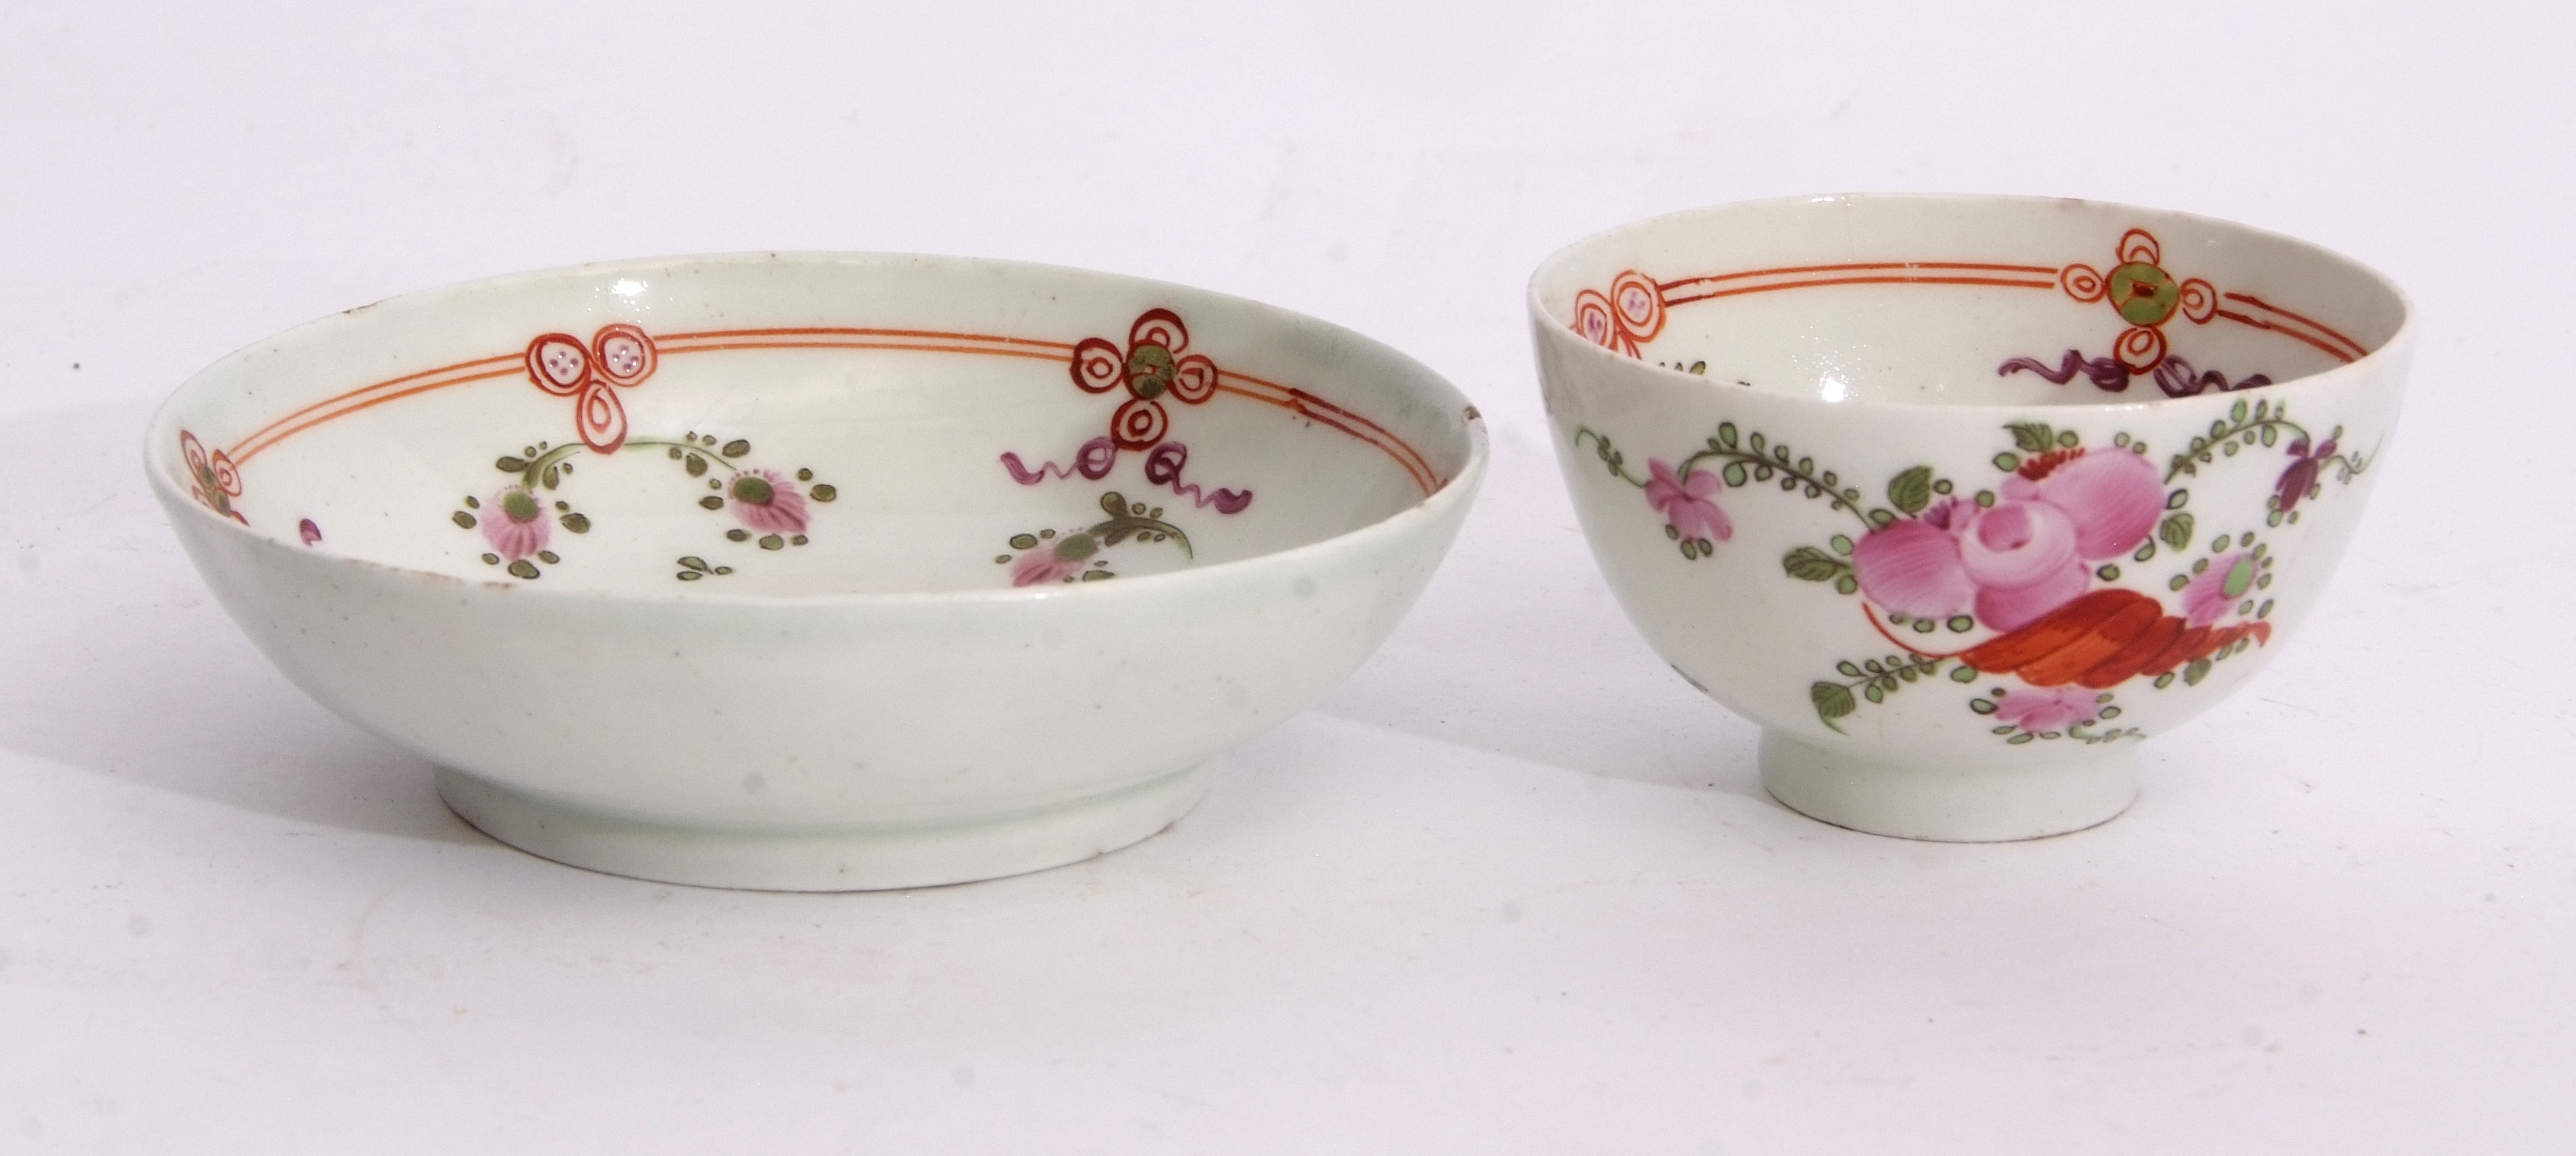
x=2022 y=557
x=1684 y=501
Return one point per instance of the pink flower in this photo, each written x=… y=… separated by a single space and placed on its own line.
x=767 y=502
x=514 y=522
x=2213 y=590
x=1054 y=561
x=2026 y=555
x=2034 y=709
x=1683 y=501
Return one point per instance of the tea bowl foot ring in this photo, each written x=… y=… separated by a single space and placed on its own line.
x=1974 y=802
x=863 y=859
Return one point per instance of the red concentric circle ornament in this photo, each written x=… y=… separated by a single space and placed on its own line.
x=619 y=356
x=212 y=480
x=1154 y=365
x=2144 y=294
x=1625 y=318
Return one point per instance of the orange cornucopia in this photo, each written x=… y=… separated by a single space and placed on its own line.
x=2103 y=639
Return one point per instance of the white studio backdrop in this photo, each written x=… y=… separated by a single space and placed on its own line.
x=1515 y=888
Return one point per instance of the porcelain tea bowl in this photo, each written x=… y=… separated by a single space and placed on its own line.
x=817 y=572
x=1961 y=498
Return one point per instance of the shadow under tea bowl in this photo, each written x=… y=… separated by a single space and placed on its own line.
x=1962 y=498
x=817 y=572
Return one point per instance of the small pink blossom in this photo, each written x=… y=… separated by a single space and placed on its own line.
x=1054 y=561
x=2026 y=555
x=1684 y=501
x=767 y=502
x=2214 y=590
x=2053 y=708
x=514 y=522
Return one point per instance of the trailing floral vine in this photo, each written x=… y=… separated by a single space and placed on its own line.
x=771 y=509
x=1081 y=554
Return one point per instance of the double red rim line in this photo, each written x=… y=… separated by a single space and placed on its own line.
x=1689 y=289
x=1290 y=398
x=1316 y=409
x=2263 y=314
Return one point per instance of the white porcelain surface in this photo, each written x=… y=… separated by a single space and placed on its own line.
x=817 y=572
x=1962 y=498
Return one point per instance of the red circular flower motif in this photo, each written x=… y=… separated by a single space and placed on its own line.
x=618 y=356
x=2144 y=295
x=212 y=480
x=1625 y=318
x=1155 y=364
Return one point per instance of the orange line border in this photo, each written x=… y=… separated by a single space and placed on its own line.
x=1690 y=290
x=1290 y=398
x=2351 y=350
x=1815 y=282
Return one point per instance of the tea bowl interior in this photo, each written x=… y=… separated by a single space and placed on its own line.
x=1960 y=498
x=773 y=570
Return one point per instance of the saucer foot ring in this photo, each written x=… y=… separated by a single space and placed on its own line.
x=1949 y=803
x=846 y=860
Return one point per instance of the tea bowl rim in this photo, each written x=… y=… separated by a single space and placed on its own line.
x=2396 y=346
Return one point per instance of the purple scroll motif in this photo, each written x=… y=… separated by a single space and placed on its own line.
x=2173 y=375
x=1163 y=465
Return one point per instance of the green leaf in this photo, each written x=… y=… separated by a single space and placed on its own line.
x=1849 y=668
x=1757 y=443
x=1873 y=693
x=1842 y=544
x=2238 y=411
x=736 y=448
x=1910 y=491
x=696 y=465
x=2177 y=531
x=1735 y=475
x=1964 y=673
x=1846 y=584
x=1810 y=564
x=1833 y=700
x=510 y=465
x=2271 y=435
x=2198 y=670
x=553 y=475
x=2033 y=437
x=2177 y=499
x=1726 y=434
x=1982 y=705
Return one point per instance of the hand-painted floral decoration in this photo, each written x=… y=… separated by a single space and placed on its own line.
x=618 y=356
x=1155 y=365
x=1624 y=319
x=212 y=480
x=1081 y=554
x=2026 y=571
x=518 y=521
